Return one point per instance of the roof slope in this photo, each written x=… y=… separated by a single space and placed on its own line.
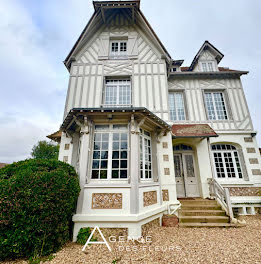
x=98 y=19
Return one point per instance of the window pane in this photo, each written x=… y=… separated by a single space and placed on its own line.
x=104 y=155
x=103 y=174
x=220 y=106
x=124 y=145
x=115 y=154
x=210 y=66
x=95 y=164
x=176 y=104
x=104 y=164
x=101 y=127
x=123 y=173
x=123 y=163
x=116 y=136
x=97 y=145
x=124 y=154
x=96 y=154
x=97 y=137
x=115 y=164
x=204 y=66
x=95 y=174
x=210 y=106
x=116 y=145
x=115 y=174
x=105 y=145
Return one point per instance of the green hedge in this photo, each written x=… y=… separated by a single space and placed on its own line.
x=37 y=200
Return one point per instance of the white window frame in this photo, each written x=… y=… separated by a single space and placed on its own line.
x=207 y=66
x=216 y=118
x=111 y=130
x=118 y=54
x=232 y=150
x=144 y=135
x=117 y=84
x=172 y=97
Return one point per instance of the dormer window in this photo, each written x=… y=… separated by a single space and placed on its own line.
x=207 y=66
x=118 y=49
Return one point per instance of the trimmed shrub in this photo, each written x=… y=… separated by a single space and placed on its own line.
x=37 y=200
x=83 y=235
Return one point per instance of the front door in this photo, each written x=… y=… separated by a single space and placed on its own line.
x=186 y=180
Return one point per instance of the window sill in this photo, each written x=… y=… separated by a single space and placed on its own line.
x=115 y=106
x=148 y=184
x=120 y=57
x=238 y=182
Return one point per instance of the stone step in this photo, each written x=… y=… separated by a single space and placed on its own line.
x=204 y=219
x=201 y=212
x=201 y=207
x=199 y=202
x=207 y=225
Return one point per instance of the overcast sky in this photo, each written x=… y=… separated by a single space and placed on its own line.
x=36 y=36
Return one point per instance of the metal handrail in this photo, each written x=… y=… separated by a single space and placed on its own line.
x=222 y=195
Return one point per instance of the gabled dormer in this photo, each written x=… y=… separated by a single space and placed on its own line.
x=207 y=59
x=117 y=30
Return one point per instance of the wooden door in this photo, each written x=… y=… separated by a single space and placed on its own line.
x=190 y=179
x=179 y=175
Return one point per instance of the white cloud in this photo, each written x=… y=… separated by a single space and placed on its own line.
x=36 y=36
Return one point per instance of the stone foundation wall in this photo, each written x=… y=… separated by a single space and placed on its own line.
x=150 y=226
x=245 y=191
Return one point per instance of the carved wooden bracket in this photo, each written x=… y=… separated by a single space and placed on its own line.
x=69 y=134
x=133 y=128
x=83 y=125
x=142 y=121
x=160 y=135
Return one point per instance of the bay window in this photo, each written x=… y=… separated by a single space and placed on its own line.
x=110 y=152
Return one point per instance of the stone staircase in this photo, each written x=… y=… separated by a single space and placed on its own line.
x=202 y=213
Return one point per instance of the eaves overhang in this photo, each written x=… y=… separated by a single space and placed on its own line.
x=208 y=74
x=74 y=113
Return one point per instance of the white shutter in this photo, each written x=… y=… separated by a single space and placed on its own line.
x=104 y=45
x=132 y=47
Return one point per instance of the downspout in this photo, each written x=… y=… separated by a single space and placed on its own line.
x=210 y=159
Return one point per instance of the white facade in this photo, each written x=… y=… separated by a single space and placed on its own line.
x=121 y=74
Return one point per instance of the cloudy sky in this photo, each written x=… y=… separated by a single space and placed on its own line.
x=36 y=36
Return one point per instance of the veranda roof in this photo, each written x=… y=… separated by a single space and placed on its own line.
x=56 y=136
x=143 y=112
x=192 y=131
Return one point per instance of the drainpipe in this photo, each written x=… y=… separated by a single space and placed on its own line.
x=210 y=158
x=211 y=164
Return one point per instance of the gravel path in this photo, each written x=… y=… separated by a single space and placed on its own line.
x=176 y=245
